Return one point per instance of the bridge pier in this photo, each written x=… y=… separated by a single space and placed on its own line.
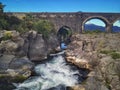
x=109 y=27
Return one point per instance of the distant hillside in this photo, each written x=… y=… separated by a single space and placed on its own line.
x=116 y=29
x=101 y=28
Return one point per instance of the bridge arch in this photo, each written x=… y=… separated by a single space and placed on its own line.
x=64 y=34
x=96 y=17
x=116 y=20
x=114 y=28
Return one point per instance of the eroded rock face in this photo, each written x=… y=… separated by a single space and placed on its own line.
x=31 y=45
x=84 y=51
x=37 y=48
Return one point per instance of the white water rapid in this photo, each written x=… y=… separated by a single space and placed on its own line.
x=55 y=74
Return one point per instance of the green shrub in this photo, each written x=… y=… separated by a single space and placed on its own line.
x=107 y=51
x=44 y=27
x=112 y=53
x=7 y=35
x=22 y=28
x=115 y=55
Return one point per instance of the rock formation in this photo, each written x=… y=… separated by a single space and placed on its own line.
x=101 y=54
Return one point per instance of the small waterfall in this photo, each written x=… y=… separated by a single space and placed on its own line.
x=54 y=74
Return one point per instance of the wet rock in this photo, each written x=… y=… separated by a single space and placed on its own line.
x=20 y=66
x=14 y=69
x=76 y=87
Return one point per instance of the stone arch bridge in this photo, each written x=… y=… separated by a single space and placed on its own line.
x=75 y=20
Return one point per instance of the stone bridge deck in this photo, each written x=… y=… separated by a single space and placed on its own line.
x=74 y=20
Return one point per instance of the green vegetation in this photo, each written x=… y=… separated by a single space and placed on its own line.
x=16 y=79
x=25 y=24
x=19 y=79
x=92 y=31
x=1 y=7
x=112 y=53
x=44 y=27
x=115 y=55
x=7 y=35
x=7 y=22
x=107 y=51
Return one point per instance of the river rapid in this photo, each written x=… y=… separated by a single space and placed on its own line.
x=53 y=74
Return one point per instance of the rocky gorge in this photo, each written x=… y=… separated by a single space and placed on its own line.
x=19 y=52
x=99 y=53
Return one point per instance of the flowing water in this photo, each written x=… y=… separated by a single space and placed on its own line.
x=54 y=74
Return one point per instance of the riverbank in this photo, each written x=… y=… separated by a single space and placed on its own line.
x=101 y=54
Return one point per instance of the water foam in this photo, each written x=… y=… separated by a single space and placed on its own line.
x=51 y=74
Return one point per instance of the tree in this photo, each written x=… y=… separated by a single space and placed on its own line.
x=2 y=8
x=3 y=22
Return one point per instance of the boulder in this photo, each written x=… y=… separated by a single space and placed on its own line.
x=9 y=46
x=82 y=63
x=5 y=60
x=14 y=69
x=37 y=49
x=52 y=43
x=13 y=44
x=20 y=66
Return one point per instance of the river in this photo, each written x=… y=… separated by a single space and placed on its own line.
x=53 y=74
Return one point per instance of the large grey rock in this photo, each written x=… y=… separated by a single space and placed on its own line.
x=5 y=60
x=21 y=66
x=52 y=42
x=37 y=49
x=14 y=69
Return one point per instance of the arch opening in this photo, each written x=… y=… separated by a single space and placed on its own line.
x=116 y=26
x=64 y=34
x=95 y=24
x=98 y=21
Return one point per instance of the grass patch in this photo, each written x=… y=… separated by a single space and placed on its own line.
x=92 y=31
x=19 y=79
x=107 y=51
x=112 y=53
x=115 y=55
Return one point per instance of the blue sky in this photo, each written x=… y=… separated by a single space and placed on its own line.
x=63 y=6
